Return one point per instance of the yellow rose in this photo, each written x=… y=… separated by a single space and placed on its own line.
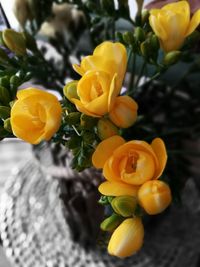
x=127 y=238
x=35 y=115
x=124 y=111
x=154 y=196
x=102 y=77
x=172 y=24
x=127 y=165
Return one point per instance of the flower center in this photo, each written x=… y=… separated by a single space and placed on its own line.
x=131 y=163
x=96 y=90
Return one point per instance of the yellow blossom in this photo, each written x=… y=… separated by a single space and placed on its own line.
x=172 y=24
x=102 y=77
x=35 y=115
x=127 y=165
x=154 y=196
x=127 y=238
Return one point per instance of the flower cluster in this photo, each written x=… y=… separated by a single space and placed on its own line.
x=97 y=118
x=132 y=170
x=97 y=92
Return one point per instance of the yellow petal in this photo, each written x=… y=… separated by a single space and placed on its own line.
x=159 y=148
x=105 y=149
x=111 y=170
x=82 y=108
x=25 y=93
x=157 y=27
x=117 y=189
x=52 y=122
x=113 y=93
x=194 y=23
x=78 y=69
x=98 y=105
x=127 y=238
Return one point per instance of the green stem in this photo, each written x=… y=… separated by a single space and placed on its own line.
x=132 y=78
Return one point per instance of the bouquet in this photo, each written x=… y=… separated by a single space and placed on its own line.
x=130 y=107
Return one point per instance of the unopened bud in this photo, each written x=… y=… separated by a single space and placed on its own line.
x=128 y=38
x=4 y=112
x=139 y=34
x=14 y=41
x=145 y=16
x=70 y=90
x=7 y=125
x=4 y=81
x=88 y=122
x=106 y=129
x=111 y=223
x=4 y=96
x=172 y=57
x=124 y=205
x=145 y=49
x=154 y=42
x=73 y=118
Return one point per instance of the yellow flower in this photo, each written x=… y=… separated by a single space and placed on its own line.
x=35 y=115
x=127 y=165
x=154 y=196
x=108 y=57
x=102 y=77
x=95 y=91
x=124 y=111
x=127 y=238
x=172 y=24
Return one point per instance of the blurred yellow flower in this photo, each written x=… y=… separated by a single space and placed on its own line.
x=124 y=111
x=127 y=238
x=35 y=115
x=172 y=24
x=154 y=196
x=102 y=77
x=127 y=165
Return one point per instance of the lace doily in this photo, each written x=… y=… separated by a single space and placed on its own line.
x=35 y=233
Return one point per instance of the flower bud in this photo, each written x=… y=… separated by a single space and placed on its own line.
x=145 y=16
x=73 y=118
x=106 y=129
x=154 y=196
x=88 y=122
x=4 y=81
x=154 y=41
x=14 y=41
x=127 y=238
x=128 y=38
x=70 y=90
x=124 y=205
x=4 y=112
x=7 y=125
x=172 y=57
x=139 y=34
x=124 y=112
x=111 y=223
x=4 y=96
x=145 y=48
